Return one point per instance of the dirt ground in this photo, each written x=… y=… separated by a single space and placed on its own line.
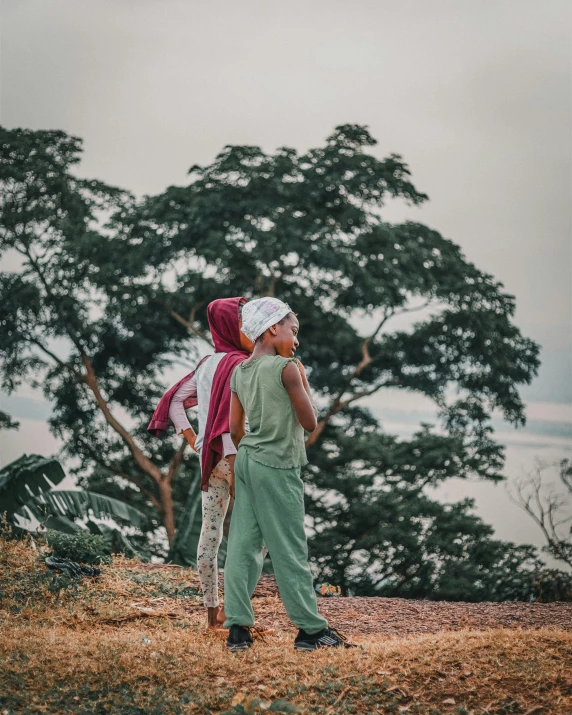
x=133 y=641
x=399 y=616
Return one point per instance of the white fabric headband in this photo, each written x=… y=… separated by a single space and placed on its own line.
x=260 y=314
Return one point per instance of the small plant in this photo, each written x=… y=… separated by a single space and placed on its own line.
x=83 y=547
x=249 y=706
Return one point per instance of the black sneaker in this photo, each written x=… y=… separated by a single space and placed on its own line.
x=326 y=638
x=239 y=638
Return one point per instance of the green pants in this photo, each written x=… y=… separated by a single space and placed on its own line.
x=269 y=509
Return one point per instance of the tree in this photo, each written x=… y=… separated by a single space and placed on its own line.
x=308 y=228
x=376 y=532
x=549 y=509
x=57 y=332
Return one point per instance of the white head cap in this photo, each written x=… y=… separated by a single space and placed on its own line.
x=260 y=314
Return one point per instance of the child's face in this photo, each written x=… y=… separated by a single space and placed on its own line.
x=285 y=339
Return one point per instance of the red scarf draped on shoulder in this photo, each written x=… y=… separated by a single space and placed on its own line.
x=160 y=420
x=224 y=326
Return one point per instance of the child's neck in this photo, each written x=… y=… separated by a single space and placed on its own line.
x=261 y=349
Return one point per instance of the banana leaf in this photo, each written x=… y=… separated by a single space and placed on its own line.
x=77 y=504
x=26 y=478
x=186 y=542
x=62 y=523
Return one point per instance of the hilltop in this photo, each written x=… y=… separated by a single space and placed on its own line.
x=133 y=641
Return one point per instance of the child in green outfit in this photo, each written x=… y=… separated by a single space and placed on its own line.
x=271 y=389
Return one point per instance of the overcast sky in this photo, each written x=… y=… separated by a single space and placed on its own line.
x=476 y=96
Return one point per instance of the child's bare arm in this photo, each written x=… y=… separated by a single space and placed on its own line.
x=306 y=385
x=237 y=419
x=292 y=381
x=190 y=436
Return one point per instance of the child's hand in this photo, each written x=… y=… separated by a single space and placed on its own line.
x=231 y=458
x=299 y=392
x=306 y=385
x=191 y=438
x=302 y=370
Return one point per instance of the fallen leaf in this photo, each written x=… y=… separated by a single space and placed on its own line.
x=238 y=698
x=449 y=701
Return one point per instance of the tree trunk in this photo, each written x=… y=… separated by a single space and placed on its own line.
x=166 y=499
x=164 y=482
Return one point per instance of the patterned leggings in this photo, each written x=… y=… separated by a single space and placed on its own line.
x=215 y=505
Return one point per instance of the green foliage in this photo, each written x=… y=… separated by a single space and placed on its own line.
x=6 y=422
x=130 y=297
x=56 y=331
x=376 y=532
x=307 y=229
x=550 y=585
x=83 y=547
x=26 y=489
x=25 y=478
x=77 y=504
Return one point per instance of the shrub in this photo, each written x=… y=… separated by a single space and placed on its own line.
x=83 y=547
x=552 y=585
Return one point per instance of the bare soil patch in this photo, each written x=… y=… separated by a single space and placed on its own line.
x=397 y=616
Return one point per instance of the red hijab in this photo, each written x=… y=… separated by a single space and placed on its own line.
x=224 y=326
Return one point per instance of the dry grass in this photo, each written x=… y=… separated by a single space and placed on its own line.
x=71 y=650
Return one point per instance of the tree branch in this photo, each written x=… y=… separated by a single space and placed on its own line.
x=271 y=287
x=47 y=287
x=408 y=576
x=140 y=458
x=338 y=403
x=543 y=509
x=49 y=353
x=114 y=469
x=566 y=474
x=189 y=324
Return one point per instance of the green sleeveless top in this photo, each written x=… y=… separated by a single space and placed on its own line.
x=276 y=437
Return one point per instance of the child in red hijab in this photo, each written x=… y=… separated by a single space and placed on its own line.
x=208 y=387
